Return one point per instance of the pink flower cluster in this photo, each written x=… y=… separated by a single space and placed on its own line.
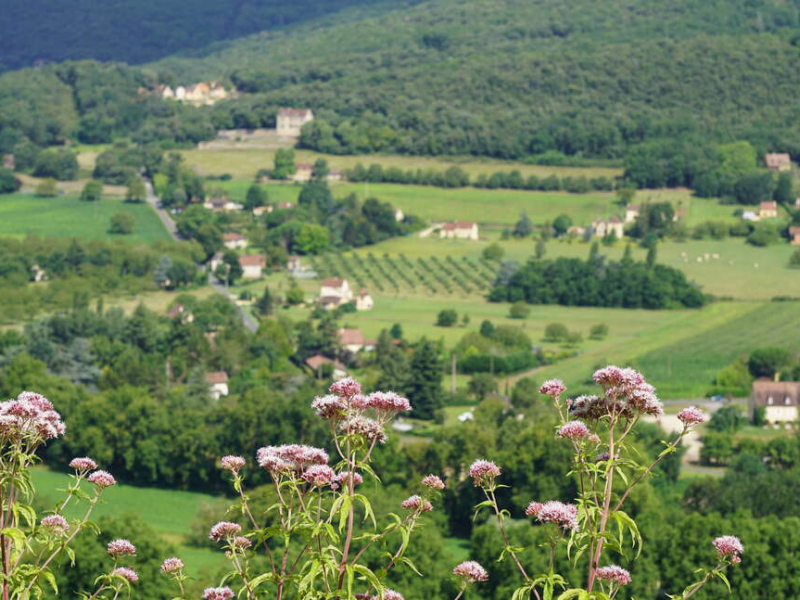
x=126 y=573
x=691 y=416
x=319 y=475
x=83 y=464
x=371 y=429
x=388 y=404
x=553 y=388
x=626 y=394
x=417 y=504
x=232 y=463
x=224 y=530
x=121 y=547
x=290 y=457
x=564 y=515
x=220 y=593
x=242 y=542
x=483 y=470
x=614 y=574
x=729 y=546
x=343 y=478
x=471 y=571
x=574 y=430
x=433 y=482
x=30 y=415
x=330 y=406
x=171 y=565
x=346 y=387
x=102 y=479
x=57 y=524
x=389 y=594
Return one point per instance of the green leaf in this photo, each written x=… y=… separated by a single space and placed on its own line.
x=724 y=579
x=572 y=593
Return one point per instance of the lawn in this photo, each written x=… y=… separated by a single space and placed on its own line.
x=245 y=163
x=67 y=216
x=168 y=512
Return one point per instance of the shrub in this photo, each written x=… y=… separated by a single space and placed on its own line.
x=47 y=188
x=446 y=318
x=555 y=332
x=599 y=331
x=519 y=310
x=493 y=252
x=121 y=223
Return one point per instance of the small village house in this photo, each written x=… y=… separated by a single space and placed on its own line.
x=779 y=399
x=353 y=340
x=290 y=120
x=38 y=274
x=234 y=241
x=604 y=227
x=768 y=210
x=334 y=175
x=285 y=206
x=778 y=161
x=262 y=210
x=334 y=287
x=198 y=94
x=632 y=212
x=399 y=216
x=364 y=300
x=794 y=235
x=218 y=384
x=179 y=313
x=294 y=263
x=215 y=261
x=222 y=205
x=317 y=362
x=461 y=230
x=303 y=172
x=252 y=265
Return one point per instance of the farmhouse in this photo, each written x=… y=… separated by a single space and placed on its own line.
x=180 y=313
x=317 y=362
x=605 y=227
x=334 y=175
x=232 y=241
x=794 y=235
x=778 y=161
x=252 y=265
x=334 y=287
x=303 y=172
x=462 y=230
x=290 y=120
x=768 y=210
x=294 y=264
x=262 y=210
x=218 y=383
x=779 y=399
x=364 y=300
x=353 y=340
x=222 y=205
x=632 y=212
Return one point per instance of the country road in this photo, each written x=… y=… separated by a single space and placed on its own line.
x=166 y=218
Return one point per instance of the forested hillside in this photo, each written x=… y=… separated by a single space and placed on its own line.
x=140 y=31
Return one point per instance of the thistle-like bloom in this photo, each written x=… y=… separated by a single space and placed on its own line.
x=369 y=428
x=563 y=515
x=171 y=565
x=220 y=593
x=346 y=387
x=417 y=504
x=343 y=478
x=242 y=542
x=83 y=464
x=614 y=574
x=471 y=571
x=388 y=403
x=691 y=416
x=290 y=457
x=729 y=546
x=573 y=430
x=121 y=547
x=331 y=406
x=389 y=594
x=102 y=479
x=232 y=463
x=56 y=524
x=594 y=439
x=319 y=475
x=126 y=573
x=223 y=530
x=553 y=388
x=30 y=415
x=433 y=482
x=359 y=402
x=483 y=470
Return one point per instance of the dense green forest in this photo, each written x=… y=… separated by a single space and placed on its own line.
x=506 y=79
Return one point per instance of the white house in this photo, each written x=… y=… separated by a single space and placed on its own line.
x=632 y=212
x=290 y=120
x=463 y=230
x=252 y=265
x=750 y=215
x=222 y=205
x=316 y=362
x=218 y=383
x=768 y=210
x=604 y=227
x=303 y=172
x=364 y=300
x=778 y=161
x=262 y=210
x=334 y=287
x=353 y=340
x=180 y=313
x=294 y=263
x=399 y=216
x=215 y=261
x=779 y=399
x=233 y=241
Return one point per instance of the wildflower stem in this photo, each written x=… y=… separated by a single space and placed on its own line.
x=490 y=495
x=598 y=550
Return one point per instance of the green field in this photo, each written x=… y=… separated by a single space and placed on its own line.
x=245 y=163
x=68 y=216
x=169 y=512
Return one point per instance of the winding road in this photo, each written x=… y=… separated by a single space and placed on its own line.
x=166 y=218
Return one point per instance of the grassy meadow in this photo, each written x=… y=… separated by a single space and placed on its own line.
x=24 y=214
